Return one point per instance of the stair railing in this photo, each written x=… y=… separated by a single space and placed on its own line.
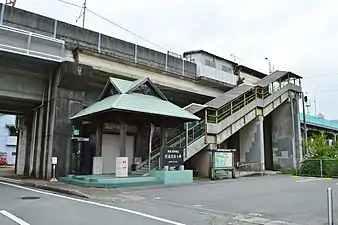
x=195 y=132
x=231 y=107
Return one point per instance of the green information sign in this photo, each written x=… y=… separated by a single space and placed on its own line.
x=76 y=132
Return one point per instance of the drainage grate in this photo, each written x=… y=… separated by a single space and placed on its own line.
x=30 y=198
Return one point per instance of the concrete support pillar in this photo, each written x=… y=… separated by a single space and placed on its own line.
x=64 y=103
x=164 y=135
x=98 y=137
x=21 y=154
x=39 y=142
x=97 y=160
x=123 y=136
x=261 y=142
x=33 y=155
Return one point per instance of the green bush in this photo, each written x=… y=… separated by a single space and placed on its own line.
x=320 y=151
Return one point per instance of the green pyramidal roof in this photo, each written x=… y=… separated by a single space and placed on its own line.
x=123 y=95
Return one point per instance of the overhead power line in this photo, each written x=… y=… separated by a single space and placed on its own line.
x=85 y=8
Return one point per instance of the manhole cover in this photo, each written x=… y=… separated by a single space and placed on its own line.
x=30 y=198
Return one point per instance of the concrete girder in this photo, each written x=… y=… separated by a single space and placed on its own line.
x=131 y=72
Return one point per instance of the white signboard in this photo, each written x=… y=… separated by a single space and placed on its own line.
x=121 y=166
x=54 y=160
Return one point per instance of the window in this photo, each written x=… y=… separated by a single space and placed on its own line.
x=226 y=69
x=210 y=63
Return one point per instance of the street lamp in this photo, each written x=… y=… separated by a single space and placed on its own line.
x=270 y=70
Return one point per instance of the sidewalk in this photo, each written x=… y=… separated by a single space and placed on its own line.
x=101 y=194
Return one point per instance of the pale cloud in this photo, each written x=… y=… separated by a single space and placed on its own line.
x=300 y=36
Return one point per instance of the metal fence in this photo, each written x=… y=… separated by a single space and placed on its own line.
x=318 y=168
x=31 y=44
x=248 y=169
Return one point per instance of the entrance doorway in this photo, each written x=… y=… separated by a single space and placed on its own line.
x=81 y=162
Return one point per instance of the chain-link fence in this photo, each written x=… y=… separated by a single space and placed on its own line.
x=318 y=168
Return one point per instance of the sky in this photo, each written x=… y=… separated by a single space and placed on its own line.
x=299 y=36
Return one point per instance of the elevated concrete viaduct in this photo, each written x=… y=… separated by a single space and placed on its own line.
x=50 y=70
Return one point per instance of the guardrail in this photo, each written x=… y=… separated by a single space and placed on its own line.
x=27 y=43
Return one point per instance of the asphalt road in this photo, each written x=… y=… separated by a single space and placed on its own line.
x=283 y=198
x=54 y=209
x=301 y=201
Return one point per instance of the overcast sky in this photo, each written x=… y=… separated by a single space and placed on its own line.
x=300 y=36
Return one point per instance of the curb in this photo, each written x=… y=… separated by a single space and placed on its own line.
x=75 y=193
x=324 y=178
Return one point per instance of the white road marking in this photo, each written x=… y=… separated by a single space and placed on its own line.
x=97 y=204
x=198 y=205
x=308 y=180
x=14 y=218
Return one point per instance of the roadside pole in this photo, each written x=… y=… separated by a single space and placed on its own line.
x=304 y=122
x=54 y=162
x=330 y=220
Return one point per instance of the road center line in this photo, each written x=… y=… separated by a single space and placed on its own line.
x=14 y=218
x=96 y=204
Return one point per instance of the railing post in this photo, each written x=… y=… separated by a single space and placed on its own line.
x=186 y=139
x=244 y=99
x=183 y=66
x=29 y=42
x=135 y=57
x=55 y=28
x=2 y=14
x=166 y=61
x=231 y=110
x=99 y=43
x=321 y=168
x=216 y=116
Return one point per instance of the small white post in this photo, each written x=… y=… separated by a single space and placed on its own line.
x=54 y=162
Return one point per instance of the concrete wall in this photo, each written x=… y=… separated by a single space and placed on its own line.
x=200 y=163
x=282 y=137
x=252 y=144
x=94 y=41
x=7 y=143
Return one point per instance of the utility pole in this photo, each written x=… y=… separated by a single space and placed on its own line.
x=304 y=99
x=84 y=13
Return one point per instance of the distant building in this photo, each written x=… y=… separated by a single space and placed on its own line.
x=8 y=137
x=214 y=67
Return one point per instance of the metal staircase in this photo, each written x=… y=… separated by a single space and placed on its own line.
x=230 y=112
